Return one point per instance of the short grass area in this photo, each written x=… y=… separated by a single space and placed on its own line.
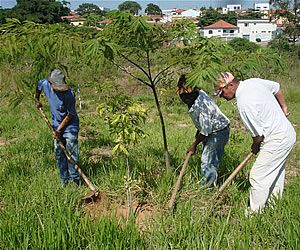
x=36 y=211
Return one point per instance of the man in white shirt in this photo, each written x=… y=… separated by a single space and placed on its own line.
x=212 y=130
x=264 y=112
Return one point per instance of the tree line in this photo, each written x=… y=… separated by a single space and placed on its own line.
x=51 y=11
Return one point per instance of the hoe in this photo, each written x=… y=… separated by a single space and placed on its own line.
x=95 y=192
x=219 y=191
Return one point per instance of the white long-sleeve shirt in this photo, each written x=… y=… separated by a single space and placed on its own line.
x=262 y=114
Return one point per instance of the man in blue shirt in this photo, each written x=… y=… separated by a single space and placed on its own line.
x=65 y=121
x=212 y=130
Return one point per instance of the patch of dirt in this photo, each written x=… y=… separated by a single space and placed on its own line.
x=292 y=172
x=181 y=124
x=98 y=153
x=106 y=207
x=2 y=142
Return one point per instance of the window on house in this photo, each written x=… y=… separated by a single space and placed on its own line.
x=231 y=31
x=263 y=31
x=219 y=30
x=210 y=32
x=246 y=24
x=254 y=23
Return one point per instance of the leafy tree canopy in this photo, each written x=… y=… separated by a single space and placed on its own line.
x=153 y=9
x=88 y=8
x=131 y=6
x=46 y=11
x=253 y=15
x=92 y=19
x=292 y=25
x=241 y=44
x=210 y=16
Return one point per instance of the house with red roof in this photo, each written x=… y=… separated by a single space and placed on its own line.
x=105 y=21
x=222 y=29
x=74 y=19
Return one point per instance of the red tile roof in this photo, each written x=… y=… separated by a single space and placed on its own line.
x=179 y=11
x=106 y=21
x=221 y=25
x=70 y=17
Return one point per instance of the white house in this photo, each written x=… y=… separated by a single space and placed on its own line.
x=170 y=13
x=224 y=10
x=257 y=29
x=234 y=7
x=104 y=9
x=190 y=13
x=261 y=6
x=221 y=29
x=74 y=19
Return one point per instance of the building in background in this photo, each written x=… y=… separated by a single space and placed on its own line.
x=222 y=29
x=191 y=13
x=170 y=13
x=257 y=30
x=74 y=19
x=234 y=7
x=261 y=6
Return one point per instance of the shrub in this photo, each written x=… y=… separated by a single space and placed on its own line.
x=242 y=44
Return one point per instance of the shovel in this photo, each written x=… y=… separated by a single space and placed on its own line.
x=89 y=198
x=178 y=182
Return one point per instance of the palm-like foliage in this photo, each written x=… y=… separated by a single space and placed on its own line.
x=140 y=52
x=38 y=48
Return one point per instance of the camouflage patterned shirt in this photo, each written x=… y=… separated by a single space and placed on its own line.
x=206 y=115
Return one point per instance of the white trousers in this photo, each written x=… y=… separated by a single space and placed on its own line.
x=267 y=176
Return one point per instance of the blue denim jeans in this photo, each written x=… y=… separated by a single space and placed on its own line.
x=213 y=149
x=66 y=170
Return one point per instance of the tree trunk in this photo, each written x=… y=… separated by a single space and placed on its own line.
x=167 y=154
x=129 y=201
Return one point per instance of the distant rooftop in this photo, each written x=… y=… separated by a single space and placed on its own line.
x=221 y=25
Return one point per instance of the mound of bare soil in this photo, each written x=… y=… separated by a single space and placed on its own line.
x=106 y=207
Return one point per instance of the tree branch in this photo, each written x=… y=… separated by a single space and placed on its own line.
x=149 y=67
x=136 y=65
x=155 y=78
x=132 y=75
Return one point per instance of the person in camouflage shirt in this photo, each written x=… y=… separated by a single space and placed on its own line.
x=212 y=130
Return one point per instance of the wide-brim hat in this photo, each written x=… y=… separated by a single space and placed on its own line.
x=224 y=79
x=57 y=80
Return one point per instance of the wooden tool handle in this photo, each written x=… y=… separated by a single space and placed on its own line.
x=178 y=183
x=68 y=155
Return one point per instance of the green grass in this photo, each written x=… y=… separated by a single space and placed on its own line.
x=37 y=212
